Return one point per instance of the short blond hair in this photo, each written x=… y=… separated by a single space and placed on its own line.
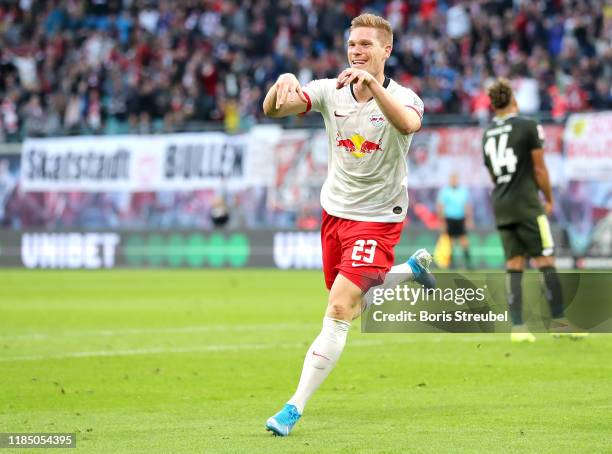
x=373 y=21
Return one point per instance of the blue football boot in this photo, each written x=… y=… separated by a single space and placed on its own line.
x=282 y=422
x=419 y=263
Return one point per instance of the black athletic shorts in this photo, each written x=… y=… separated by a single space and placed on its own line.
x=531 y=237
x=455 y=227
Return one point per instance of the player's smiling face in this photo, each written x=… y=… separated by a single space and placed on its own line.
x=366 y=50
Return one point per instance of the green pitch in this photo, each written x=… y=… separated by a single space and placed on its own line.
x=195 y=361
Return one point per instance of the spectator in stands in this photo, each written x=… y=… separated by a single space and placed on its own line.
x=7 y=185
x=160 y=64
x=33 y=117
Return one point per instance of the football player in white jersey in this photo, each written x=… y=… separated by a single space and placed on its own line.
x=370 y=121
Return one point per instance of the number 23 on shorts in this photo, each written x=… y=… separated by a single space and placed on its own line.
x=363 y=251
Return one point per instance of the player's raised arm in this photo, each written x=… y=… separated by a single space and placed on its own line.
x=285 y=98
x=405 y=119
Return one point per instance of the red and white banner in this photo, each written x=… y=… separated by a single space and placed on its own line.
x=136 y=163
x=436 y=153
x=588 y=146
x=300 y=163
x=292 y=163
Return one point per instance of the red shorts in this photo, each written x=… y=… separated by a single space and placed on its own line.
x=360 y=251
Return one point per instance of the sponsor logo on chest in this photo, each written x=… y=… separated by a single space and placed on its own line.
x=377 y=120
x=357 y=145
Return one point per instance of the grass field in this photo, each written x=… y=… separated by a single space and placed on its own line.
x=195 y=361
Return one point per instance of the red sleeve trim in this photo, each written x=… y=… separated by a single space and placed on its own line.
x=308 y=104
x=415 y=109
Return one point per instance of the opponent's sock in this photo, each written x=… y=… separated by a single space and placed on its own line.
x=514 y=293
x=320 y=360
x=554 y=294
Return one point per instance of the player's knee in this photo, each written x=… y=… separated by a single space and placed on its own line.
x=544 y=261
x=339 y=310
x=515 y=263
x=340 y=306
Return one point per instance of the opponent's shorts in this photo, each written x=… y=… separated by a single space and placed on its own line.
x=361 y=251
x=455 y=227
x=531 y=237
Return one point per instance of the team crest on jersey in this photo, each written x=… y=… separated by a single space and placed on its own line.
x=377 y=120
x=357 y=145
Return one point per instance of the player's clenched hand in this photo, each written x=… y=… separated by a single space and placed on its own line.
x=287 y=85
x=359 y=77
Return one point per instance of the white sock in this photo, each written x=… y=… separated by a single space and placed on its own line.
x=396 y=275
x=320 y=360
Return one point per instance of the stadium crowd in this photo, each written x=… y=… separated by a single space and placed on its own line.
x=107 y=66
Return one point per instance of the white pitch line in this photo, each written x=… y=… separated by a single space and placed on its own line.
x=221 y=347
x=161 y=350
x=173 y=330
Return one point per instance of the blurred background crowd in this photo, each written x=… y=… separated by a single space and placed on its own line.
x=74 y=67
x=113 y=66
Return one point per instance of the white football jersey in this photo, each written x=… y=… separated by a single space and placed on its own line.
x=367 y=170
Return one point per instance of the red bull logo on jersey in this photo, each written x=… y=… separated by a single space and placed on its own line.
x=358 y=146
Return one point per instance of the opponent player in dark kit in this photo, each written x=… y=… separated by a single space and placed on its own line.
x=513 y=148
